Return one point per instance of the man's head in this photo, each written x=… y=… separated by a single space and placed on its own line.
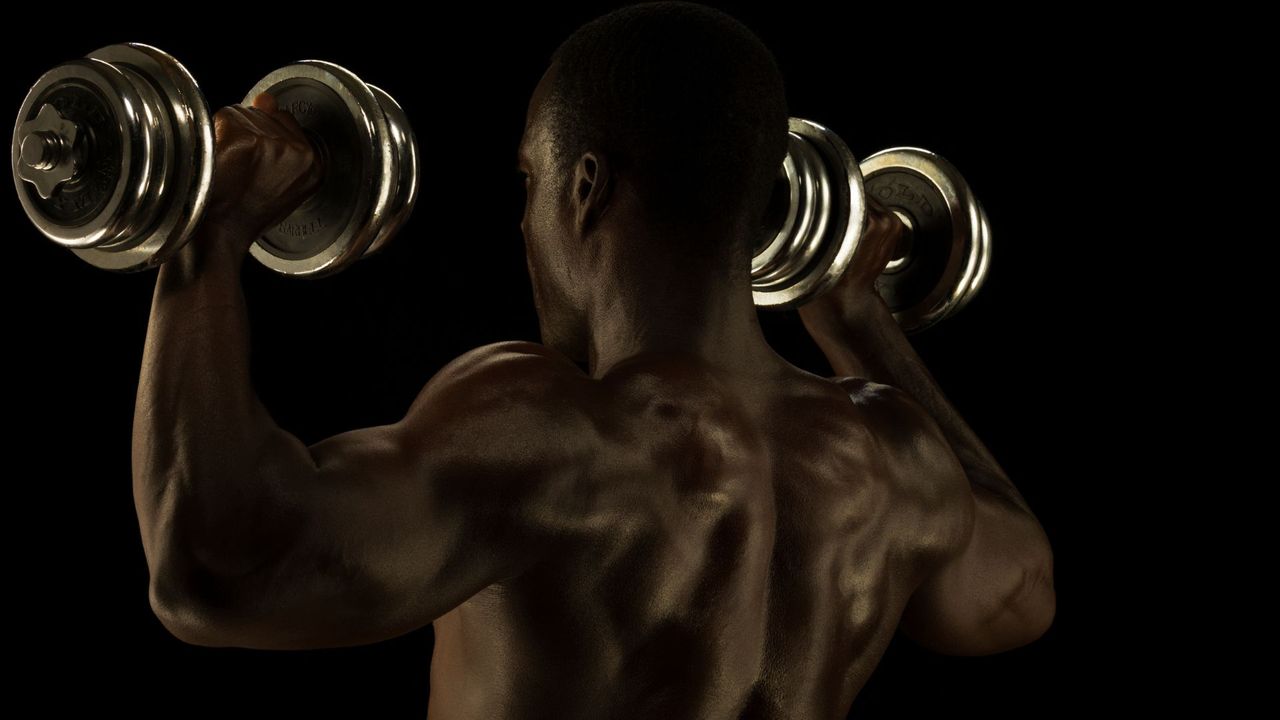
x=667 y=117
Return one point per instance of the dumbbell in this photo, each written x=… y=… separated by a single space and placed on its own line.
x=112 y=158
x=819 y=211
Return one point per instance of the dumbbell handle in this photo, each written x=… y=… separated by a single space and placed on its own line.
x=51 y=151
x=884 y=220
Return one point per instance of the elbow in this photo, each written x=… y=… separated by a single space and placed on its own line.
x=1035 y=605
x=1037 y=599
x=202 y=585
x=1031 y=603
x=180 y=616
x=195 y=612
x=1027 y=613
x=1042 y=596
x=1021 y=615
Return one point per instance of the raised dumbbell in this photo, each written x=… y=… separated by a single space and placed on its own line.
x=112 y=158
x=819 y=210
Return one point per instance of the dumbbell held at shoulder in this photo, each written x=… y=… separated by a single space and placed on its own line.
x=264 y=168
x=899 y=231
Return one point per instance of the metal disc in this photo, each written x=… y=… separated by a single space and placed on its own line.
x=781 y=214
x=180 y=161
x=815 y=245
x=92 y=157
x=405 y=191
x=104 y=129
x=984 y=262
x=345 y=120
x=796 y=244
x=946 y=253
x=132 y=130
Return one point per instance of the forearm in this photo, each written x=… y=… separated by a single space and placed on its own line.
x=866 y=341
x=201 y=438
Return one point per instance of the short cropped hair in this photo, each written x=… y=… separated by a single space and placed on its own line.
x=684 y=98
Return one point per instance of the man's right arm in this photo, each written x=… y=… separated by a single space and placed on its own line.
x=992 y=588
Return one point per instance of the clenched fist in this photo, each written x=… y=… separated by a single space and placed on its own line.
x=855 y=291
x=264 y=167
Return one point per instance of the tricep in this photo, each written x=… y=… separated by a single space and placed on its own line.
x=985 y=569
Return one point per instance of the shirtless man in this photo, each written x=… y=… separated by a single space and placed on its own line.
x=651 y=515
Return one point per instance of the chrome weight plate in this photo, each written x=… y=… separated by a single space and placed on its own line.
x=984 y=263
x=947 y=255
x=183 y=165
x=112 y=156
x=404 y=146
x=806 y=185
x=815 y=218
x=346 y=122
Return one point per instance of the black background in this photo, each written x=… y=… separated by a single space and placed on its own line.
x=1024 y=105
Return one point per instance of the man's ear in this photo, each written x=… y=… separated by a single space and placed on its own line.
x=592 y=190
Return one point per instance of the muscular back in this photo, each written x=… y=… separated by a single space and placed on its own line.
x=732 y=549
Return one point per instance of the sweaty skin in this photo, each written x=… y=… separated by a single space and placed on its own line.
x=689 y=527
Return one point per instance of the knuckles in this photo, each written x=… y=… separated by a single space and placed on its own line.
x=253 y=140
